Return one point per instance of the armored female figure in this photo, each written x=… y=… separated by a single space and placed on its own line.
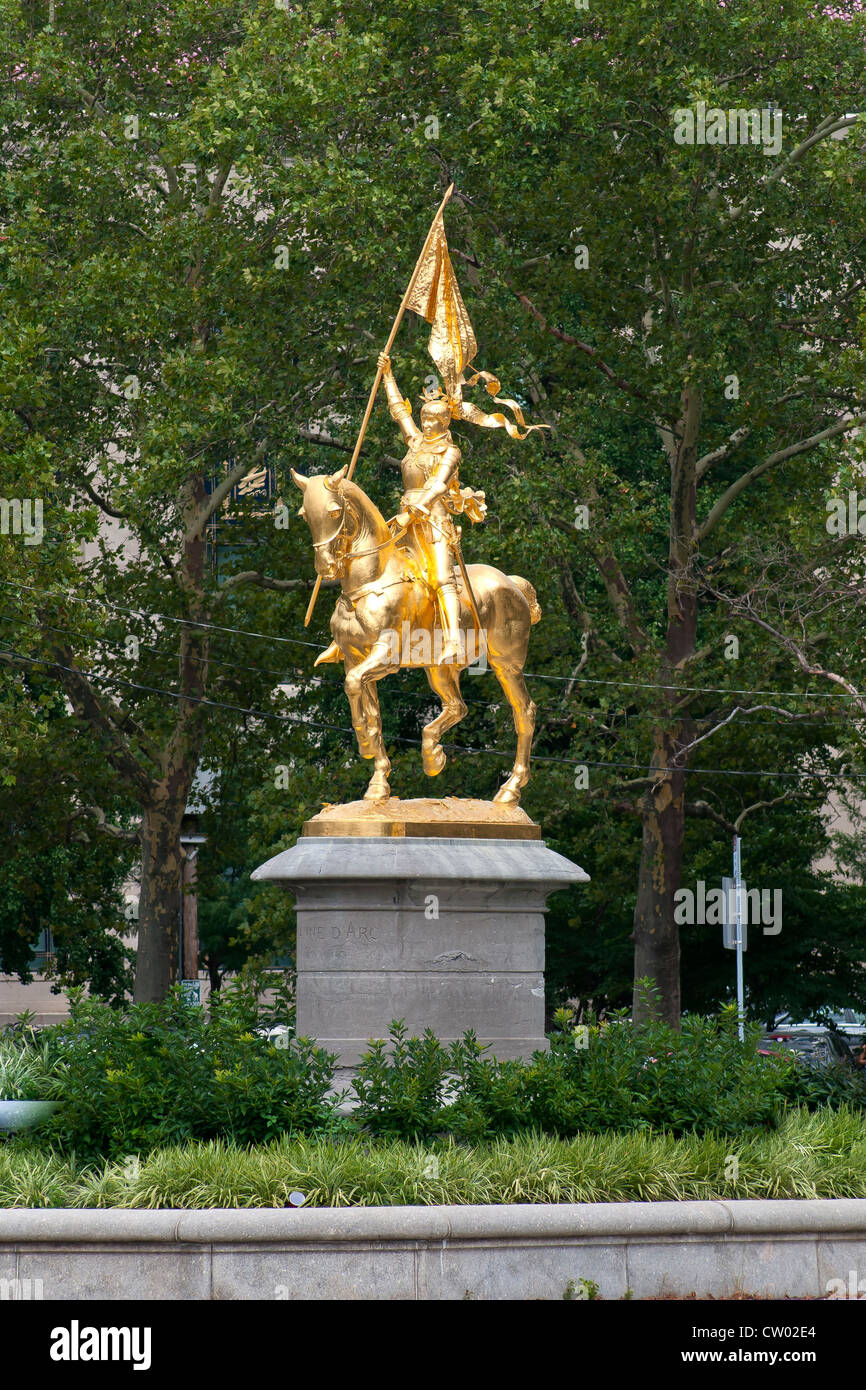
x=432 y=496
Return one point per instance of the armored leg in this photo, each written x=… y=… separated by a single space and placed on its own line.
x=449 y=606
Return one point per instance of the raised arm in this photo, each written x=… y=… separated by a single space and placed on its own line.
x=400 y=409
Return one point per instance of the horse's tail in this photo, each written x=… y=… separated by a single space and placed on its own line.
x=529 y=594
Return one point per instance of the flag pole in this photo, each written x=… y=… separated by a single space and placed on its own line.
x=370 y=403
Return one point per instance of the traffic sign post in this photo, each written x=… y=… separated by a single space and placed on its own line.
x=191 y=991
x=734 y=929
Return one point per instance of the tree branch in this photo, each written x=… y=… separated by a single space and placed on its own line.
x=738 y=709
x=704 y=464
x=263 y=582
x=828 y=127
x=327 y=441
x=733 y=492
x=115 y=831
x=102 y=715
x=702 y=810
x=216 y=498
x=100 y=502
x=760 y=806
x=586 y=348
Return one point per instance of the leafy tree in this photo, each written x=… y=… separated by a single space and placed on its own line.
x=56 y=875
x=210 y=213
x=700 y=358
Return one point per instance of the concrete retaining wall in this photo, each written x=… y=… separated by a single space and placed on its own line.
x=486 y=1252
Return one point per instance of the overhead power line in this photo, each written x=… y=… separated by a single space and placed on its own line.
x=530 y=675
x=300 y=721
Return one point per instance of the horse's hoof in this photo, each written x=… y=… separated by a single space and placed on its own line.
x=377 y=791
x=434 y=761
x=507 y=796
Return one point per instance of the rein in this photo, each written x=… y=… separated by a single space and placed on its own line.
x=349 y=556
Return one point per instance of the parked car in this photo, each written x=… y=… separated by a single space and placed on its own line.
x=280 y=1035
x=851 y=1025
x=848 y=1022
x=814 y=1045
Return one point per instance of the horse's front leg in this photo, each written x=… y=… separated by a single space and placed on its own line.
x=445 y=681
x=366 y=718
x=358 y=708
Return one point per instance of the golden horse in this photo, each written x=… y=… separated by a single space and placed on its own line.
x=386 y=617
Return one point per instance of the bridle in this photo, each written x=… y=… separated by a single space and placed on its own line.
x=347 y=557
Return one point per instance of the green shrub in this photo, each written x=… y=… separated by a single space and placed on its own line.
x=594 y=1079
x=401 y=1094
x=833 y=1085
x=27 y=1071
x=156 y=1074
x=811 y=1154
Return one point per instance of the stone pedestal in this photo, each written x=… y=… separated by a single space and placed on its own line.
x=444 y=932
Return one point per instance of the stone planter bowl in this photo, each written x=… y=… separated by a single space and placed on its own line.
x=24 y=1114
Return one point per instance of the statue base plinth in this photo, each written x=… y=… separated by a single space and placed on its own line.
x=451 y=817
x=445 y=932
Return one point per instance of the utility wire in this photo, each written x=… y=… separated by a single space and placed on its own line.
x=324 y=680
x=530 y=675
x=302 y=721
x=283 y=677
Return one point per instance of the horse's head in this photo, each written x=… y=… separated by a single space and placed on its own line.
x=341 y=516
x=327 y=512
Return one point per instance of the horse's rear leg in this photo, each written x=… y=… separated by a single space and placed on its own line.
x=523 y=709
x=445 y=682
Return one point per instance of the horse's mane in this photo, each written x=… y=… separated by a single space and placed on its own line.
x=366 y=505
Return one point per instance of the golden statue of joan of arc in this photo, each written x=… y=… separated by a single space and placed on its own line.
x=430 y=469
x=398 y=577
x=432 y=492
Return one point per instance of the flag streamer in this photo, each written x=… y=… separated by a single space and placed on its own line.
x=436 y=297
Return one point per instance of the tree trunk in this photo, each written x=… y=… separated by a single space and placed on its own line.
x=663 y=806
x=161 y=855
x=656 y=935
x=160 y=902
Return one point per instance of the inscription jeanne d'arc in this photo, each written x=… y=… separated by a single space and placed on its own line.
x=351 y=932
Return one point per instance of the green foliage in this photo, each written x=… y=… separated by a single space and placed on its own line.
x=57 y=872
x=822 y=1154
x=832 y=1085
x=151 y=255
x=401 y=1087
x=585 y=1290
x=156 y=1074
x=595 y=1079
x=27 y=1069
